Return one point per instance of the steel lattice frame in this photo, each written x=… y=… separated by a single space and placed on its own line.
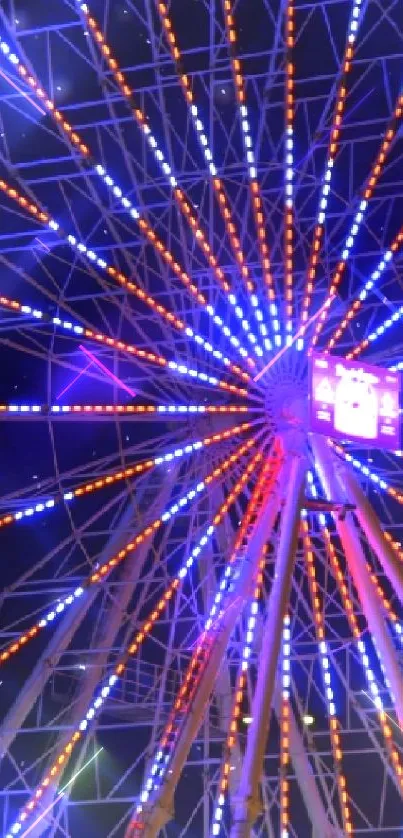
x=49 y=681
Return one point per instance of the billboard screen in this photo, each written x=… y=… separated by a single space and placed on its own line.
x=352 y=400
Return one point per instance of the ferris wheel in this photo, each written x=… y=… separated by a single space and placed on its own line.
x=201 y=507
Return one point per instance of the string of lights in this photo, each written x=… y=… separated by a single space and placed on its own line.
x=104 y=569
x=239 y=691
x=117 y=193
x=16 y=410
x=376 y=333
x=189 y=685
x=356 y=305
x=219 y=189
x=256 y=197
x=289 y=110
x=334 y=724
x=122 y=474
x=334 y=142
x=60 y=762
x=363 y=651
x=182 y=201
x=132 y=287
x=267 y=476
x=375 y=173
x=285 y=729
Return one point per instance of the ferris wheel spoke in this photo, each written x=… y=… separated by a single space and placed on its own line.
x=93 y=412
x=289 y=110
x=105 y=480
x=361 y=645
x=131 y=286
x=219 y=190
x=378 y=332
x=155 y=798
x=267 y=475
x=256 y=197
x=368 y=190
x=127 y=205
x=356 y=563
x=133 y=648
x=178 y=193
x=334 y=724
x=356 y=305
x=334 y=142
x=105 y=569
x=362 y=648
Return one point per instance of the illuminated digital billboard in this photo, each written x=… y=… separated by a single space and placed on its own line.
x=352 y=400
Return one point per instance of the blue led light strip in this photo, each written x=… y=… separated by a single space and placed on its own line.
x=355 y=306
x=130 y=349
x=96 y=705
x=124 y=201
x=182 y=200
x=240 y=685
x=218 y=186
x=358 y=218
x=341 y=98
x=256 y=197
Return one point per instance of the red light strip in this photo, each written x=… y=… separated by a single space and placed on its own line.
x=368 y=191
x=23 y=410
x=189 y=683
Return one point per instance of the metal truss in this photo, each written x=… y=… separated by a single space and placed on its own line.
x=69 y=502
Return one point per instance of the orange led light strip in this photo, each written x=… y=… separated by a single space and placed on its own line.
x=218 y=185
x=101 y=573
x=334 y=143
x=285 y=730
x=142 y=120
x=61 y=760
x=75 y=139
x=257 y=202
x=22 y=410
x=334 y=724
x=352 y=620
x=369 y=188
x=130 y=349
x=123 y=474
x=385 y=602
x=289 y=166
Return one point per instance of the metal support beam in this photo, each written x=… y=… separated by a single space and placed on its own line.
x=356 y=561
x=160 y=808
x=370 y=525
x=111 y=622
x=248 y=802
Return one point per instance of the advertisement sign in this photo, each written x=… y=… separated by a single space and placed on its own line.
x=352 y=400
